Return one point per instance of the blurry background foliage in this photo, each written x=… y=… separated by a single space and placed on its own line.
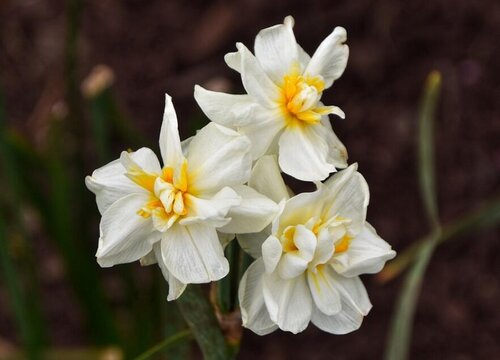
x=61 y=116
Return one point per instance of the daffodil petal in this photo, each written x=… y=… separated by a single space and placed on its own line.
x=146 y=159
x=109 y=182
x=366 y=254
x=350 y=195
x=170 y=143
x=266 y=178
x=289 y=302
x=125 y=236
x=263 y=131
x=254 y=313
x=306 y=242
x=252 y=243
x=213 y=210
x=255 y=80
x=276 y=50
x=217 y=157
x=322 y=287
x=233 y=60
x=291 y=265
x=193 y=254
x=303 y=154
x=355 y=305
x=271 y=253
x=175 y=287
x=253 y=214
x=299 y=209
x=226 y=109
x=337 y=152
x=330 y=58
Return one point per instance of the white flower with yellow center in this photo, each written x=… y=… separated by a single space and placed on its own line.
x=282 y=111
x=308 y=266
x=170 y=214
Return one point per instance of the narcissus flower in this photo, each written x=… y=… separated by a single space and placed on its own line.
x=170 y=214
x=308 y=267
x=282 y=112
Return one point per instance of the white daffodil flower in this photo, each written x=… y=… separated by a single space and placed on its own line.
x=170 y=214
x=282 y=111
x=308 y=267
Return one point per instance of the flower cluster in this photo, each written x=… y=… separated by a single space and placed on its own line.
x=309 y=249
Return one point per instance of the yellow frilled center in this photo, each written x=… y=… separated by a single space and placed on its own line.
x=167 y=193
x=300 y=95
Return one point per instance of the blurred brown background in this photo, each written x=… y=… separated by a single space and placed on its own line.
x=155 y=47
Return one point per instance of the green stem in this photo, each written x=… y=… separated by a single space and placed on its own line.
x=199 y=315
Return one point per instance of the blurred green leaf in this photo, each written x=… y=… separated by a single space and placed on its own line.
x=65 y=226
x=27 y=322
x=166 y=344
x=402 y=323
x=21 y=281
x=199 y=315
x=402 y=319
x=427 y=177
x=483 y=217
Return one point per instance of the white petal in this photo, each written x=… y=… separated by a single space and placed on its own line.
x=266 y=178
x=233 y=60
x=303 y=154
x=291 y=265
x=226 y=109
x=175 y=287
x=350 y=197
x=254 y=313
x=252 y=243
x=325 y=247
x=170 y=143
x=193 y=254
x=325 y=295
x=125 y=236
x=306 y=241
x=367 y=254
x=109 y=182
x=218 y=157
x=289 y=302
x=337 y=153
x=355 y=305
x=271 y=253
x=263 y=131
x=144 y=158
x=330 y=59
x=149 y=258
x=300 y=209
x=253 y=214
x=276 y=50
x=256 y=81
x=213 y=210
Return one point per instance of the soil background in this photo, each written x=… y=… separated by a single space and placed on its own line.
x=155 y=47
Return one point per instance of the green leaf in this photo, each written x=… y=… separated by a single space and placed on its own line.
x=487 y=215
x=22 y=283
x=426 y=146
x=402 y=320
x=166 y=344
x=402 y=323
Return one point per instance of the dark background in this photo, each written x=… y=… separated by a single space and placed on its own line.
x=155 y=47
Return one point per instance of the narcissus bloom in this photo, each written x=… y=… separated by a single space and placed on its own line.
x=282 y=111
x=308 y=267
x=170 y=214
